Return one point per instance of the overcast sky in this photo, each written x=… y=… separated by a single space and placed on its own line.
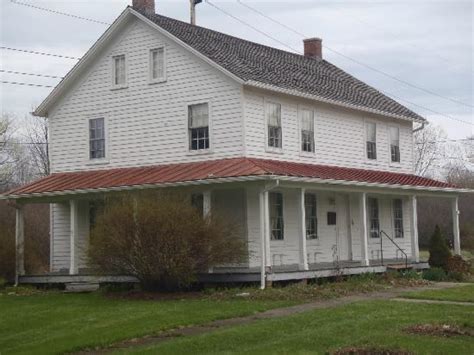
x=426 y=43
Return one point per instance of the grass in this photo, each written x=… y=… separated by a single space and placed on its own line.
x=457 y=294
x=47 y=323
x=374 y=324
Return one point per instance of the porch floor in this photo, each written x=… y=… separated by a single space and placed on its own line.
x=238 y=274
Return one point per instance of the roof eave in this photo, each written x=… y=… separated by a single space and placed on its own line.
x=260 y=85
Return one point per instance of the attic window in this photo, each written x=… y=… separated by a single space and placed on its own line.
x=157 y=65
x=119 y=76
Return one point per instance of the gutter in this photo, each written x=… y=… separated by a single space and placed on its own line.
x=420 y=128
x=263 y=231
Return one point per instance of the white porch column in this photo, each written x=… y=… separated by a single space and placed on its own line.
x=206 y=203
x=415 y=248
x=456 y=233
x=73 y=269
x=268 y=259
x=364 y=236
x=19 y=243
x=303 y=250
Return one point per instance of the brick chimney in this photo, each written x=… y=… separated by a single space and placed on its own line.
x=145 y=6
x=313 y=48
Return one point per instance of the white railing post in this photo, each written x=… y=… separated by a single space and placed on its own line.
x=364 y=231
x=415 y=248
x=73 y=269
x=19 y=243
x=456 y=233
x=303 y=249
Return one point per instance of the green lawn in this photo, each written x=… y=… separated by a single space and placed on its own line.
x=56 y=322
x=371 y=324
x=459 y=294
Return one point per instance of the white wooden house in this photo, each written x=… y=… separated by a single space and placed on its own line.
x=316 y=165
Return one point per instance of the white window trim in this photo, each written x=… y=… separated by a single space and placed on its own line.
x=390 y=162
x=377 y=128
x=210 y=150
x=163 y=79
x=268 y=149
x=112 y=72
x=300 y=141
x=99 y=161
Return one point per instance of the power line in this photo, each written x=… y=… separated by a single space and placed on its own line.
x=448 y=141
x=58 y=12
x=26 y=84
x=355 y=60
x=30 y=74
x=38 y=53
x=252 y=27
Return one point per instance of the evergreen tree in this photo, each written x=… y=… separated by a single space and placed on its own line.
x=439 y=250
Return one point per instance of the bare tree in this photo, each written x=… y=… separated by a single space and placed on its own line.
x=429 y=149
x=7 y=151
x=38 y=144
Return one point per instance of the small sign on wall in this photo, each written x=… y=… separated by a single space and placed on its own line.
x=332 y=218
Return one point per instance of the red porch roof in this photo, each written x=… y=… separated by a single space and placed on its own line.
x=68 y=182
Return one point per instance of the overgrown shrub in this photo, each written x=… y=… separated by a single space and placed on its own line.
x=457 y=264
x=434 y=274
x=162 y=240
x=439 y=250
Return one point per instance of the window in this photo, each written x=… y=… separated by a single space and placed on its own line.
x=395 y=144
x=198 y=116
x=307 y=130
x=311 y=216
x=96 y=138
x=273 y=113
x=119 y=75
x=157 y=64
x=398 y=218
x=197 y=201
x=276 y=215
x=374 y=223
x=371 y=140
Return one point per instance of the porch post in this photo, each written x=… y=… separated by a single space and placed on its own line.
x=73 y=237
x=206 y=203
x=303 y=251
x=268 y=261
x=415 y=249
x=456 y=233
x=19 y=243
x=364 y=237
x=262 y=239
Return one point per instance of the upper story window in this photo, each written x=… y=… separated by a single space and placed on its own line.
x=276 y=215
x=395 y=144
x=311 y=216
x=273 y=115
x=119 y=75
x=96 y=138
x=371 y=138
x=374 y=223
x=198 y=118
x=157 y=65
x=398 y=218
x=307 y=130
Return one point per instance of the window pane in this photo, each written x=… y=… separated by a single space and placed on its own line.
x=119 y=69
x=198 y=115
x=276 y=215
x=158 y=61
x=273 y=114
x=311 y=216
x=398 y=218
x=96 y=138
x=374 y=223
x=371 y=132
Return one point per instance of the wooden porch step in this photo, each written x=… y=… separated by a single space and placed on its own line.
x=78 y=287
x=398 y=267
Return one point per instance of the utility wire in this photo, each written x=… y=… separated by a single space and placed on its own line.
x=26 y=84
x=30 y=74
x=355 y=60
x=38 y=53
x=58 y=12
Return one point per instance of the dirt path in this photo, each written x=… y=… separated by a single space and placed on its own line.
x=417 y=300
x=274 y=313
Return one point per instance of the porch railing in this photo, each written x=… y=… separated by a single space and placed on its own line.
x=382 y=234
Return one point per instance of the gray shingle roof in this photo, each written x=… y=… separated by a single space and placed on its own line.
x=255 y=62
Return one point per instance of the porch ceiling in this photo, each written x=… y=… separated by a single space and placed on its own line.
x=216 y=171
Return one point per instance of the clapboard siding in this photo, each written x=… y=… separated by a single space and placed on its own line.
x=146 y=123
x=339 y=134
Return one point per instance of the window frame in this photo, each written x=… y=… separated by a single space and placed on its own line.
x=314 y=236
x=395 y=218
x=150 y=66
x=279 y=216
x=210 y=149
x=392 y=162
x=370 y=218
x=300 y=130
x=268 y=148
x=366 y=141
x=115 y=86
x=104 y=159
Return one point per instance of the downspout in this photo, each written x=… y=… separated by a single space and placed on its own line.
x=420 y=128
x=263 y=232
